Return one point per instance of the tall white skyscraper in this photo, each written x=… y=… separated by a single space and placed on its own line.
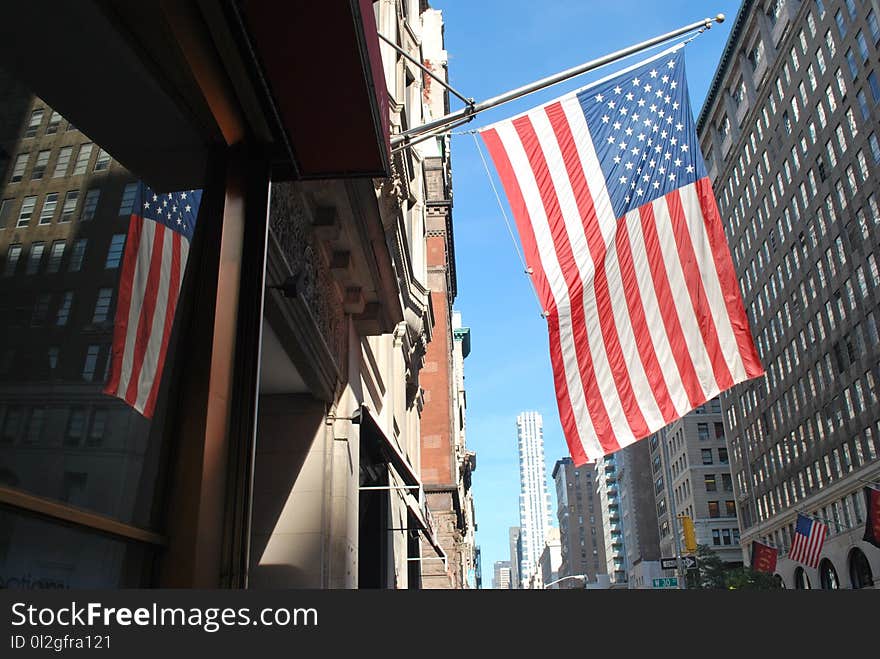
x=534 y=499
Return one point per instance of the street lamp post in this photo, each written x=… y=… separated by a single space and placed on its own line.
x=582 y=577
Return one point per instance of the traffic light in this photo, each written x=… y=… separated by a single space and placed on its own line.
x=690 y=538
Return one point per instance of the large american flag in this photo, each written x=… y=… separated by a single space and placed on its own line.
x=156 y=250
x=806 y=545
x=621 y=229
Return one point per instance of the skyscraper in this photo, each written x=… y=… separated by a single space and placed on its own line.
x=691 y=470
x=501 y=580
x=789 y=132
x=580 y=521
x=515 y=537
x=534 y=500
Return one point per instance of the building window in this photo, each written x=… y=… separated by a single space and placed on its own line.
x=97 y=428
x=76 y=426
x=63 y=162
x=828 y=575
x=63 y=314
x=719 y=429
x=841 y=23
x=873 y=26
x=35 y=258
x=722 y=456
x=703 y=431
x=714 y=509
x=716 y=537
x=55 y=256
x=27 y=210
x=35 y=425
x=54 y=122
x=102 y=305
x=13 y=254
x=34 y=125
x=709 y=480
x=727 y=482
x=114 y=254
x=69 y=208
x=6 y=212
x=874 y=85
x=127 y=204
x=756 y=55
x=77 y=254
x=12 y=425
x=82 y=159
x=49 y=206
x=102 y=162
x=706 y=454
x=90 y=204
x=730 y=508
x=91 y=363
x=41 y=310
x=851 y=62
x=40 y=165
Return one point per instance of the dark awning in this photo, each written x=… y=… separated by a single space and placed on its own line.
x=163 y=85
x=387 y=448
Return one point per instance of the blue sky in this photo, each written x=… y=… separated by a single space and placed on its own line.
x=493 y=47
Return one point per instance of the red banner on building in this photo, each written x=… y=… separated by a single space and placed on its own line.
x=764 y=557
x=872 y=523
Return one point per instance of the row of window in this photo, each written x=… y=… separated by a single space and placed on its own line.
x=70 y=208
x=56 y=254
x=96 y=354
x=710 y=481
x=44 y=303
x=843 y=514
x=725 y=536
x=84 y=427
x=716 y=510
x=61 y=165
x=36 y=122
x=821 y=473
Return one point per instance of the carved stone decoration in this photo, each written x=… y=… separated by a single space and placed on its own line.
x=291 y=226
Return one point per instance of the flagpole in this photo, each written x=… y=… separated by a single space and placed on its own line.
x=472 y=109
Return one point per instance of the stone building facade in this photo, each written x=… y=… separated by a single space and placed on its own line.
x=789 y=133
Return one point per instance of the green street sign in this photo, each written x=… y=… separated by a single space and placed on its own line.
x=666 y=582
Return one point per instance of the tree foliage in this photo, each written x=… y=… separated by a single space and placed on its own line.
x=713 y=574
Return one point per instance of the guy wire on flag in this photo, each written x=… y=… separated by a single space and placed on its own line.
x=526 y=269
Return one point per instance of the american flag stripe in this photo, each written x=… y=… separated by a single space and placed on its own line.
x=585 y=229
x=645 y=292
x=575 y=417
x=663 y=293
x=581 y=301
x=123 y=305
x=736 y=318
x=152 y=344
x=180 y=251
x=645 y=318
x=729 y=366
x=641 y=329
x=576 y=347
x=140 y=252
x=146 y=308
x=589 y=249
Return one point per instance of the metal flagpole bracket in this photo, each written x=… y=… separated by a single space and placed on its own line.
x=473 y=109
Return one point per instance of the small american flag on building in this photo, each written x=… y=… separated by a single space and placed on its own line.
x=806 y=545
x=156 y=250
x=617 y=218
